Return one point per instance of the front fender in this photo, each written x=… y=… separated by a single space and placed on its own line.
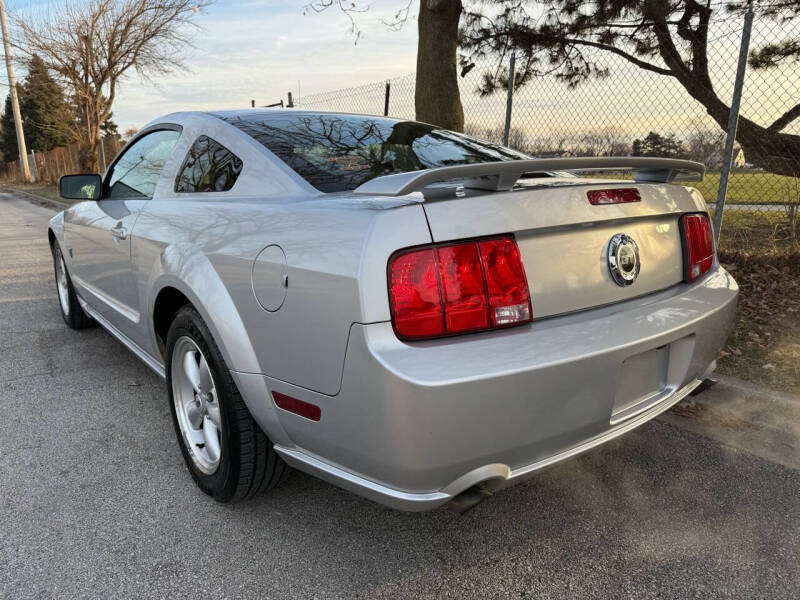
x=185 y=268
x=56 y=225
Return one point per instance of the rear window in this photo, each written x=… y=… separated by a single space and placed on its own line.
x=336 y=152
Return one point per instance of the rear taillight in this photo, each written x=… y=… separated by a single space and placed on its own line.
x=698 y=245
x=458 y=288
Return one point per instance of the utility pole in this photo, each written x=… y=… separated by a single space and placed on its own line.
x=23 y=151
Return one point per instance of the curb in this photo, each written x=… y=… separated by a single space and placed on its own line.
x=35 y=198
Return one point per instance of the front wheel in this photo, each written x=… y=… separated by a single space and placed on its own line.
x=71 y=310
x=228 y=455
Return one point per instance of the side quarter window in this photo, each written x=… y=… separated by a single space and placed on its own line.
x=136 y=173
x=209 y=167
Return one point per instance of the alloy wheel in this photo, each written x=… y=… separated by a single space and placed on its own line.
x=61 y=282
x=196 y=404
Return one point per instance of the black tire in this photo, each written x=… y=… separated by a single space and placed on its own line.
x=248 y=465
x=70 y=308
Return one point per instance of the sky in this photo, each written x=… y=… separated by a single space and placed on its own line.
x=261 y=49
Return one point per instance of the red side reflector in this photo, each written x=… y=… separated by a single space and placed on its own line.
x=616 y=196
x=298 y=407
x=460 y=287
x=698 y=245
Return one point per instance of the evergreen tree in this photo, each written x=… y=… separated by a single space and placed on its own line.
x=109 y=128
x=672 y=38
x=8 y=135
x=667 y=146
x=46 y=115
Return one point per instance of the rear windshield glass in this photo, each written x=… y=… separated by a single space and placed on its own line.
x=335 y=152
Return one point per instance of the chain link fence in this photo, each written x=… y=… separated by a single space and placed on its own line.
x=636 y=112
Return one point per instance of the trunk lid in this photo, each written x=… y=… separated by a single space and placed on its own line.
x=564 y=239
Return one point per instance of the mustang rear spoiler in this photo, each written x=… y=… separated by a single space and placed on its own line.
x=502 y=175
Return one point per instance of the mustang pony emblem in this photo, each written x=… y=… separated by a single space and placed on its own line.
x=623 y=259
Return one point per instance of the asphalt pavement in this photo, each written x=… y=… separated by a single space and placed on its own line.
x=95 y=501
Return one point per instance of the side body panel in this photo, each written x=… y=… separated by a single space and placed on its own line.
x=101 y=263
x=209 y=247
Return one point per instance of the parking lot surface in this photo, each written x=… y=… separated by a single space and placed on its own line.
x=95 y=501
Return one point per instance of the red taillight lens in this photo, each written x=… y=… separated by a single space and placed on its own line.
x=616 y=196
x=457 y=288
x=463 y=287
x=509 y=298
x=416 y=297
x=698 y=245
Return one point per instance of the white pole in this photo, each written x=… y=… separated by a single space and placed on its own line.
x=23 y=152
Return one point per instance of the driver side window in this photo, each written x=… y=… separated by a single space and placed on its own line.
x=137 y=172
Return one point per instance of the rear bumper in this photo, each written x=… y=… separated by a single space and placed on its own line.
x=416 y=424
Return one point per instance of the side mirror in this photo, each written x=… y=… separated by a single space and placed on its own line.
x=80 y=187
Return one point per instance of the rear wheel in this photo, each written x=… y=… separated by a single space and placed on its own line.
x=228 y=455
x=71 y=310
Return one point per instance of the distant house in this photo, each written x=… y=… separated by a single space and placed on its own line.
x=738 y=162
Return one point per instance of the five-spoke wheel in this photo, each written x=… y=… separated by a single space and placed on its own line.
x=71 y=310
x=196 y=405
x=61 y=281
x=228 y=455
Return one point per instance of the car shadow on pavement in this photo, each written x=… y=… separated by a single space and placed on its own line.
x=657 y=505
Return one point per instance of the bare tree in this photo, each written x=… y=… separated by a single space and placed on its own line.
x=705 y=144
x=129 y=133
x=602 y=141
x=91 y=45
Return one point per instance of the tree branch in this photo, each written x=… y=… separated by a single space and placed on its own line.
x=619 y=52
x=781 y=122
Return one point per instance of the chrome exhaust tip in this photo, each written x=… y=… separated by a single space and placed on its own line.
x=469 y=499
x=704 y=385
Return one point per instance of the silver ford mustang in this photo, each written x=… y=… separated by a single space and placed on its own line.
x=407 y=312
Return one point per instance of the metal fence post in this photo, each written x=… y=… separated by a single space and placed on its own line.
x=509 y=98
x=386 y=99
x=733 y=119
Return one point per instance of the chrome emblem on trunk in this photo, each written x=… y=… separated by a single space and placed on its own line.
x=623 y=259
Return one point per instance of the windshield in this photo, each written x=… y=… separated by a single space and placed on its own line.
x=336 y=152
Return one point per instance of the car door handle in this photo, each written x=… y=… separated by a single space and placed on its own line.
x=119 y=232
